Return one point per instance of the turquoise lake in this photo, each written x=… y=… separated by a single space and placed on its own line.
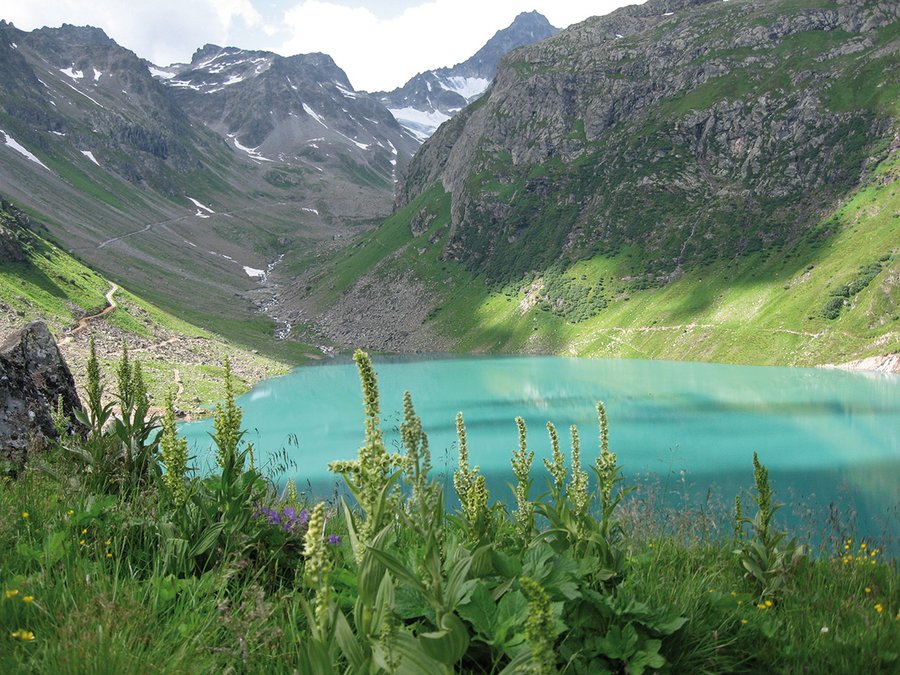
x=688 y=430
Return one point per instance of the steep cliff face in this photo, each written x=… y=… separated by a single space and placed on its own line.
x=685 y=131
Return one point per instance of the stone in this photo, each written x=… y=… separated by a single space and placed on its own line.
x=33 y=374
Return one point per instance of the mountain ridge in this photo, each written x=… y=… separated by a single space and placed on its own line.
x=434 y=96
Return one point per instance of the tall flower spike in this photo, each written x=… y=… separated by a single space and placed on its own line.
x=539 y=628
x=174 y=455
x=463 y=476
x=577 y=490
x=93 y=388
x=521 y=465
x=606 y=463
x=556 y=467
x=317 y=561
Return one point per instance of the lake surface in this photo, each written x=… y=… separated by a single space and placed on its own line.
x=689 y=430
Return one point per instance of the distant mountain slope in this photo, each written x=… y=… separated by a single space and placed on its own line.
x=433 y=97
x=680 y=179
x=296 y=110
x=125 y=172
x=38 y=281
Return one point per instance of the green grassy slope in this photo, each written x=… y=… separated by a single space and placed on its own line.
x=766 y=308
x=52 y=286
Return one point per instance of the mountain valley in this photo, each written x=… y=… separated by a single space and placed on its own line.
x=678 y=179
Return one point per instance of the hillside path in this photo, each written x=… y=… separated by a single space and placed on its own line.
x=111 y=306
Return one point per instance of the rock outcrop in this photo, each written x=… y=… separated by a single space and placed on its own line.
x=688 y=131
x=33 y=375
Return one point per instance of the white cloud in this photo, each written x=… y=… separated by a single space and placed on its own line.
x=376 y=53
x=383 y=53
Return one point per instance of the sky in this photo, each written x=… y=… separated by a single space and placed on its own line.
x=380 y=44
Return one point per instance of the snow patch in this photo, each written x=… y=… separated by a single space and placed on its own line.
x=467 y=87
x=70 y=72
x=200 y=214
x=200 y=206
x=304 y=208
x=255 y=273
x=97 y=74
x=22 y=150
x=57 y=133
x=90 y=156
x=92 y=100
x=161 y=74
x=250 y=151
x=312 y=113
x=346 y=92
x=420 y=123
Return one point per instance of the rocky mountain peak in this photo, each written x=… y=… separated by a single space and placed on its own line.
x=431 y=98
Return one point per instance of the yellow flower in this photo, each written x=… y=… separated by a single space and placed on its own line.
x=768 y=603
x=109 y=555
x=762 y=606
x=868 y=590
x=27 y=598
x=24 y=515
x=81 y=542
x=70 y=513
x=108 y=542
x=84 y=530
x=863 y=546
x=25 y=635
x=11 y=594
x=743 y=621
x=879 y=607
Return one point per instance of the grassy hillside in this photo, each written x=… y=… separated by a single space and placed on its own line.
x=52 y=286
x=769 y=307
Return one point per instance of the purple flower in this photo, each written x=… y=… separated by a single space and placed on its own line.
x=303 y=518
x=290 y=513
x=334 y=539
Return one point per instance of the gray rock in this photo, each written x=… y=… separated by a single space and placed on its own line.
x=33 y=374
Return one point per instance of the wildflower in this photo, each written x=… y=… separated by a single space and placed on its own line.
x=539 y=627
x=70 y=513
x=768 y=603
x=824 y=630
x=12 y=593
x=868 y=590
x=743 y=621
x=557 y=467
x=334 y=540
x=24 y=515
x=81 y=542
x=650 y=545
x=762 y=606
x=303 y=518
x=174 y=455
x=879 y=607
x=28 y=598
x=108 y=554
x=24 y=635
x=84 y=530
x=521 y=466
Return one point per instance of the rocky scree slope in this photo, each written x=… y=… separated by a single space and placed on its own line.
x=434 y=96
x=688 y=131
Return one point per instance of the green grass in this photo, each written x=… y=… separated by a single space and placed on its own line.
x=108 y=572
x=763 y=308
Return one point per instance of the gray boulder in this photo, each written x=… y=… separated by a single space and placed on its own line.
x=32 y=375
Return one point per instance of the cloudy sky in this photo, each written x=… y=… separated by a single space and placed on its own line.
x=379 y=43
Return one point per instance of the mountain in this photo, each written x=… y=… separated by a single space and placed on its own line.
x=38 y=281
x=431 y=98
x=299 y=110
x=683 y=178
x=197 y=180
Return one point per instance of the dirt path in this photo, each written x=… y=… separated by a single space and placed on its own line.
x=111 y=306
